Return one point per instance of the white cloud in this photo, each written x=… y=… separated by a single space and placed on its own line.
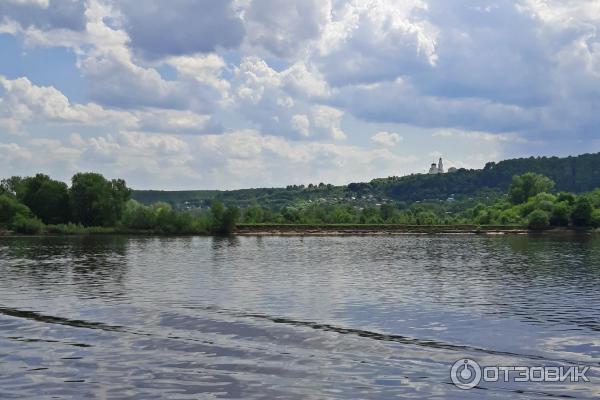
x=479 y=136
x=247 y=158
x=160 y=28
x=502 y=76
x=23 y=103
x=372 y=40
x=281 y=102
x=285 y=28
x=39 y=3
x=402 y=102
x=44 y=14
x=301 y=124
x=116 y=78
x=387 y=138
x=174 y=121
x=205 y=69
x=13 y=153
x=306 y=81
x=328 y=119
x=255 y=78
x=234 y=159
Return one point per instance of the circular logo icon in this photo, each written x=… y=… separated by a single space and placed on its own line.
x=465 y=374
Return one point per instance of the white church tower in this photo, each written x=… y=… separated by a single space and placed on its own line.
x=437 y=168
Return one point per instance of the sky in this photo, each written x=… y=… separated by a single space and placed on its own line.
x=207 y=94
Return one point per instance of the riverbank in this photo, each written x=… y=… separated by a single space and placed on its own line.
x=370 y=230
x=323 y=230
x=99 y=231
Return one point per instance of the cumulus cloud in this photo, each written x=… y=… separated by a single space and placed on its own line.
x=280 y=102
x=204 y=71
x=479 y=136
x=115 y=79
x=23 y=103
x=113 y=75
x=529 y=67
x=259 y=84
x=368 y=41
x=387 y=138
x=286 y=27
x=247 y=158
x=301 y=124
x=233 y=160
x=45 y=14
x=401 y=102
x=329 y=119
x=14 y=156
x=39 y=3
x=178 y=27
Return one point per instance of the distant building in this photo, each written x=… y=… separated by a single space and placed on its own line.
x=437 y=168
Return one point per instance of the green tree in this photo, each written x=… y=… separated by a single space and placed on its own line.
x=217 y=209
x=478 y=209
x=96 y=201
x=27 y=225
x=10 y=185
x=387 y=212
x=170 y=221
x=253 y=214
x=484 y=218
x=582 y=212
x=426 y=218
x=340 y=215
x=541 y=201
x=528 y=185
x=291 y=215
x=46 y=198
x=509 y=217
x=370 y=215
x=10 y=208
x=538 y=220
x=596 y=219
x=594 y=198
x=224 y=220
x=138 y=216
x=230 y=219
x=569 y=198
x=560 y=214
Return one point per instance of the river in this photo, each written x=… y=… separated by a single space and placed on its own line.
x=377 y=317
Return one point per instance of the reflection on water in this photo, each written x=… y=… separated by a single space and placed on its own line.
x=292 y=317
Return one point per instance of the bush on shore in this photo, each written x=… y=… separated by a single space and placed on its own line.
x=538 y=220
x=27 y=225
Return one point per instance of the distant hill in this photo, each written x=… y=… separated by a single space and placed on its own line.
x=272 y=198
x=573 y=174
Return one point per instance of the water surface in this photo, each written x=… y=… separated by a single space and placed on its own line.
x=120 y=317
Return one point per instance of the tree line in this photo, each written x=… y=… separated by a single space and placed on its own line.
x=531 y=201
x=95 y=204
x=570 y=174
